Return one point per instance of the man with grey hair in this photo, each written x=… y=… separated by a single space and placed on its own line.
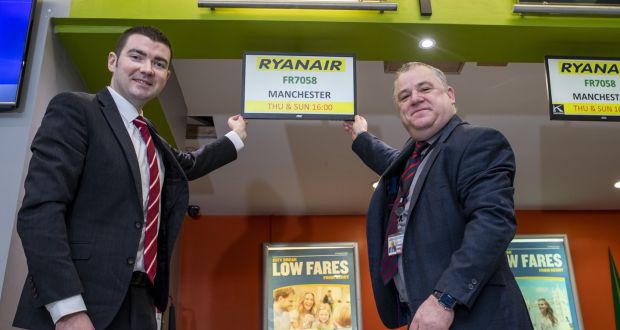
x=445 y=201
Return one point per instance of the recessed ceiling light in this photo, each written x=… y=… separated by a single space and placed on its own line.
x=427 y=43
x=617 y=185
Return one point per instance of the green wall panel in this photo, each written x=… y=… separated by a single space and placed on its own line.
x=472 y=31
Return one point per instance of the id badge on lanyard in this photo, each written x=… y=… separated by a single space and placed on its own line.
x=395 y=244
x=395 y=241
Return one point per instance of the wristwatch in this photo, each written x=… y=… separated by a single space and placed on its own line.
x=445 y=300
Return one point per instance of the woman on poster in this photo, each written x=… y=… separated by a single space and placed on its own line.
x=306 y=312
x=546 y=319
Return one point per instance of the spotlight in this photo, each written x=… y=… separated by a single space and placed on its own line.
x=426 y=43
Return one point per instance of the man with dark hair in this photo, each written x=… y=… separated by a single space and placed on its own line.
x=445 y=205
x=105 y=196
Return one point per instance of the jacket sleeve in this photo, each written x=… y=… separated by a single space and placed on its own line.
x=58 y=152
x=206 y=159
x=486 y=172
x=376 y=154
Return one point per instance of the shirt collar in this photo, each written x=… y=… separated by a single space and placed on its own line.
x=127 y=110
x=435 y=137
x=431 y=141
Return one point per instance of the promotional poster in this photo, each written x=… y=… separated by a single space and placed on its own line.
x=311 y=286
x=542 y=268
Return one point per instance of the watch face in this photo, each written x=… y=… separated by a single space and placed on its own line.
x=447 y=301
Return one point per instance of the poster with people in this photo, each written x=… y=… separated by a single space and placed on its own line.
x=311 y=286
x=542 y=268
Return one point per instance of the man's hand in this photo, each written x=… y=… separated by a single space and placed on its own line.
x=359 y=125
x=75 y=321
x=237 y=123
x=432 y=316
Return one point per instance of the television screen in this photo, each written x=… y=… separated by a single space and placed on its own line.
x=15 y=23
x=583 y=88
x=298 y=86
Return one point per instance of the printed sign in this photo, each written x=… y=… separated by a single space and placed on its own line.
x=583 y=88
x=542 y=267
x=311 y=286
x=299 y=86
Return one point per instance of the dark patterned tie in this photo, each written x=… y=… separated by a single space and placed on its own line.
x=389 y=263
x=152 y=213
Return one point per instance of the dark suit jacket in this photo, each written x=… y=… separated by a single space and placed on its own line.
x=81 y=217
x=462 y=220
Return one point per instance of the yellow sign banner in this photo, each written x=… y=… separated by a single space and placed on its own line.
x=586 y=109
x=299 y=63
x=300 y=107
x=588 y=67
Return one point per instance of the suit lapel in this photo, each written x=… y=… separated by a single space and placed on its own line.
x=173 y=169
x=174 y=176
x=435 y=151
x=113 y=117
x=396 y=168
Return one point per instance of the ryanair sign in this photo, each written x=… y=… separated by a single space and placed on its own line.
x=297 y=63
x=588 y=67
x=583 y=88
x=299 y=86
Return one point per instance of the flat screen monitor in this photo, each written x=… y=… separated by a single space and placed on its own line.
x=15 y=25
x=583 y=88
x=299 y=86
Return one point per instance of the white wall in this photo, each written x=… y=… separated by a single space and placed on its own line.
x=48 y=72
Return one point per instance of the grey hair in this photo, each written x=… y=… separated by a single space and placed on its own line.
x=411 y=65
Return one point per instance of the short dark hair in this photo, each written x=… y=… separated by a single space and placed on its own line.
x=150 y=32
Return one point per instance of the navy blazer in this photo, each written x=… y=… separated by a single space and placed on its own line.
x=81 y=217
x=461 y=222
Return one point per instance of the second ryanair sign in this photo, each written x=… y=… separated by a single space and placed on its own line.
x=299 y=86
x=584 y=88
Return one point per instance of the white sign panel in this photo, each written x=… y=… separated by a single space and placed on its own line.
x=299 y=86
x=583 y=88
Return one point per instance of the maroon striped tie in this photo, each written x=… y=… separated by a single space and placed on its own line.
x=152 y=213
x=389 y=263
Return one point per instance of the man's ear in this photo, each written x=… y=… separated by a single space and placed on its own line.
x=112 y=61
x=451 y=94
